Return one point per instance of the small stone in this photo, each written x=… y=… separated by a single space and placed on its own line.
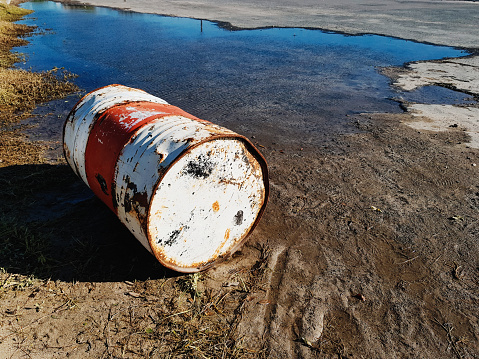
x=133 y=294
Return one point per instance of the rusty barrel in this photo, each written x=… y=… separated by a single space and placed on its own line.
x=190 y=191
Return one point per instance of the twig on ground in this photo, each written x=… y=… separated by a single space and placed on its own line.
x=409 y=260
x=450 y=338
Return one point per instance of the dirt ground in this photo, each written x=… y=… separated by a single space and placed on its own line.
x=368 y=249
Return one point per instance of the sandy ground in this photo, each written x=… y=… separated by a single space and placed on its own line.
x=369 y=246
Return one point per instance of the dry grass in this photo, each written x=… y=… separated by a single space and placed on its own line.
x=11 y=35
x=20 y=92
x=15 y=150
x=22 y=246
x=180 y=327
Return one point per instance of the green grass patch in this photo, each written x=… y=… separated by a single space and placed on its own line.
x=12 y=13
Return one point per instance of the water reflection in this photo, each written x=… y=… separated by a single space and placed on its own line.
x=293 y=84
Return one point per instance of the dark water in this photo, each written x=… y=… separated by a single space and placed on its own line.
x=289 y=85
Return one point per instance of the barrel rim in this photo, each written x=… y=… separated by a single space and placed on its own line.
x=213 y=262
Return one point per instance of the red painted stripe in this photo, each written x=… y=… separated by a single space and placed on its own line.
x=110 y=133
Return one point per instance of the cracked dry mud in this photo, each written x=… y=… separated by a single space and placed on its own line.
x=460 y=74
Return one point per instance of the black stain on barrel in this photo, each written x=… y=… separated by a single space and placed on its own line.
x=131 y=189
x=245 y=157
x=102 y=183
x=135 y=202
x=238 y=219
x=172 y=237
x=199 y=168
x=114 y=198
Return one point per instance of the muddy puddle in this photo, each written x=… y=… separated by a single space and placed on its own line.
x=292 y=86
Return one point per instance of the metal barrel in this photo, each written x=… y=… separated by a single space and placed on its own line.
x=190 y=191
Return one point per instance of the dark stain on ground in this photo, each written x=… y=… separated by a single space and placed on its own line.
x=200 y=168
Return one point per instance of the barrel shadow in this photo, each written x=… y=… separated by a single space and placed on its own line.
x=53 y=227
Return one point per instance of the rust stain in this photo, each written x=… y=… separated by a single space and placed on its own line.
x=67 y=151
x=228 y=181
x=227 y=234
x=216 y=206
x=161 y=156
x=218 y=250
x=140 y=199
x=190 y=268
x=136 y=202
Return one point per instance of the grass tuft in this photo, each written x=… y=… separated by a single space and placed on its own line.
x=21 y=90
x=189 y=284
x=21 y=249
x=11 y=13
x=11 y=35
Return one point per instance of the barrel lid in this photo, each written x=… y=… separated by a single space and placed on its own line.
x=207 y=203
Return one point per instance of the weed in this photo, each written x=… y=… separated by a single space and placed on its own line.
x=13 y=282
x=11 y=34
x=21 y=90
x=190 y=284
x=21 y=249
x=11 y=13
